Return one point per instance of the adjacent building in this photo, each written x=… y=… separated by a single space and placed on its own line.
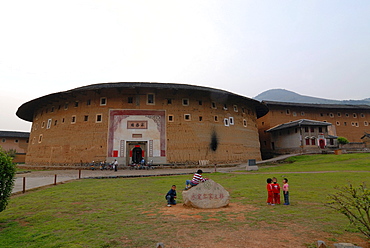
x=17 y=142
x=349 y=121
x=162 y=123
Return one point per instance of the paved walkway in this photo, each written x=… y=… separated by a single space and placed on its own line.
x=36 y=179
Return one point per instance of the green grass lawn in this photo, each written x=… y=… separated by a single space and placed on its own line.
x=127 y=212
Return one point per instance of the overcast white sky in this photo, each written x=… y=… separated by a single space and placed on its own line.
x=317 y=48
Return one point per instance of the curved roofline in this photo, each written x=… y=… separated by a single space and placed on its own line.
x=26 y=110
x=317 y=105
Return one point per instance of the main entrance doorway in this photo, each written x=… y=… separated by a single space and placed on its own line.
x=136 y=151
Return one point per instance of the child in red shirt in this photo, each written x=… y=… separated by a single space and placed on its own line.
x=276 y=190
x=270 y=193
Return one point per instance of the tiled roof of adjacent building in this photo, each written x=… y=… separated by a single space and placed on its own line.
x=27 y=109
x=298 y=123
x=14 y=134
x=313 y=105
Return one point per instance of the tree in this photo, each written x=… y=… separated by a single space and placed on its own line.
x=7 y=173
x=355 y=204
x=342 y=141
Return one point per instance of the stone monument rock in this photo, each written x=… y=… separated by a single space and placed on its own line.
x=208 y=194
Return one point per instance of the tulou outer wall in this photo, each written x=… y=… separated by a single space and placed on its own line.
x=183 y=126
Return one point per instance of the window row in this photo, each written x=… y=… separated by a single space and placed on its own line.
x=312 y=139
x=3 y=140
x=354 y=115
x=227 y=121
x=312 y=129
x=150 y=100
x=353 y=123
x=73 y=119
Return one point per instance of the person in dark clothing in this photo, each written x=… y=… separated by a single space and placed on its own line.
x=170 y=196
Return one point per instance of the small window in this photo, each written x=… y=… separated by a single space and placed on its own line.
x=321 y=114
x=288 y=111
x=150 y=99
x=306 y=129
x=55 y=122
x=225 y=107
x=302 y=113
x=345 y=123
x=52 y=109
x=200 y=102
x=362 y=115
x=356 y=124
x=103 y=101
x=339 y=114
x=312 y=129
x=99 y=118
x=16 y=141
x=307 y=141
x=66 y=106
x=231 y=120
x=347 y=115
x=40 y=138
x=200 y=118
x=43 y=124
x=63 y=120
x=185 y=102
x=294 y=113
x=353 y=124
x=235 y=108
x=320 y=129
x=354 y=115
x=226 y=122
x=49 y=124
x=170 y=118
x=245 y=122
x=3 y=140
x=243 y=110
x=88 y=102
x=313 y=141
x=73 y=119
x=214 y=105
x=86 y=118
x=215 y=118
x=33 y=140
x=366 y=123
x=331 y=115
x=169 y=101
x=338 y=123
x=187 y=117
x=76 y=104
x=130 y=99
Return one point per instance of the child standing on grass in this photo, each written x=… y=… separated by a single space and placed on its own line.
x=276 y=190
x=170 y=196
x=286 y=191
x=270 y=193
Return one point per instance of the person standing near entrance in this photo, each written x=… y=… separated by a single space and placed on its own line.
x=115 y=165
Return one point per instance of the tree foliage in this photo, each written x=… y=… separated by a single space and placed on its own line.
x=342 y=140
x=7 y=173
x=355 y=204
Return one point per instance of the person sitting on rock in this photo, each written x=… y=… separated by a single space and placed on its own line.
x=197 y=178
x=170 y=196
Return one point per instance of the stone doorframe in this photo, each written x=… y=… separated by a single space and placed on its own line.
x=130 y=145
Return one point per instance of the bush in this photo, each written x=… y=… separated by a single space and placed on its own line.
x=342 y=140
x=355 y=204
x=7 y=173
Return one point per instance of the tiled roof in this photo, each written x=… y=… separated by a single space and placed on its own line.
x=313 y=105
x=298 y=123
x=27 y=109
x=14 y=134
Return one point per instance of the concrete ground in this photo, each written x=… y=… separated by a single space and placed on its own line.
x=35 y=179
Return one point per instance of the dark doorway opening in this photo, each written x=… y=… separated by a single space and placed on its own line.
x=137 y=155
